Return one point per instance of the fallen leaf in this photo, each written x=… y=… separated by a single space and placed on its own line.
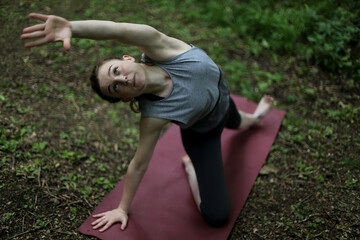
x=266 y=170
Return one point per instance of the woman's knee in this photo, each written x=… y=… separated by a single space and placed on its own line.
x=216 y=216
x=234 y=118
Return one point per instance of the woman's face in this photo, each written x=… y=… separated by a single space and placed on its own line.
x=123 y=79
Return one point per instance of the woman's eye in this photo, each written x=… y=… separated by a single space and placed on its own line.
x=116 y=71
x=116 y=87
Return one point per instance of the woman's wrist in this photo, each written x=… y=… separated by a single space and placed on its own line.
x=122 y=209
x=74 y=28
x=79 y=29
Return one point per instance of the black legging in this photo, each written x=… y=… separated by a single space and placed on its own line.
x=204 y=150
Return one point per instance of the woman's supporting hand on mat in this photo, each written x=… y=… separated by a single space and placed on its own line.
x=53 y=30
x=106 y=219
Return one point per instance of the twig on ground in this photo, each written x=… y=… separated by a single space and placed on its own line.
x=13 y=164
x=317 y=235
x=310 y=216
x=71 y=203
x=36 y=198
x=23 y=224
x=88 y=202
x=82 y=198
x=57 y=231
x=289 y=143
x=76 y=106
x=302 y=173
x=23 y=233
x=300 y=202
x=39 y=181
x=258 y=235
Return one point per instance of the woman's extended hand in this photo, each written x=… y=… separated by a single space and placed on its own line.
x=54 y=29
x=106 y=219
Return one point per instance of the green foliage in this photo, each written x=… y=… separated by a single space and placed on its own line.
x=7 y=216
x=347 y=113
x=9 y=142
x=264 y=24
x=320 y=31
x=72 y=180
x=39 y=147
x=2 y=98
x=41 y=223
x=114 y=115
x=238 y=71
x=351 y=182
x=106 y=183
x=330 y=41
x=300 y=209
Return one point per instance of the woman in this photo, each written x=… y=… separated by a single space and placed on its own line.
x=177 y=83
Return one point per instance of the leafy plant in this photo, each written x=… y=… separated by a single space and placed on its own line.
x=106 y=183
x=330 y=40
x=41 y=223
x=350 y=180
x=321 y=31
x=348 y=113
x=300 y=209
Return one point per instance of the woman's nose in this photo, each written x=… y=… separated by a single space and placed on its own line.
x=123 y=79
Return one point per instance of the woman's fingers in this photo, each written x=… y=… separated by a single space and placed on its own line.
x=107 y=225
x=99 y=215
x=36 y=34
x=66 y=44
x=123 y=224
x=38 y=42
x=110 y=222
x=54 y=29
x=37 y=27
x=99 y=223
x=106 y=219
x=39 y=16
x=102 y=222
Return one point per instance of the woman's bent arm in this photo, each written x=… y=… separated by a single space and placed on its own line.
x=150 y=129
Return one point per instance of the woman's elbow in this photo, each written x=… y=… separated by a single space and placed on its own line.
x=138 y=167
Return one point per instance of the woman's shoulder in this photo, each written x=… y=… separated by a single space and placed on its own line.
x=166 y=49
x=191 y=54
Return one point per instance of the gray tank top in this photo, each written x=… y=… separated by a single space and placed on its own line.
x=199 y=98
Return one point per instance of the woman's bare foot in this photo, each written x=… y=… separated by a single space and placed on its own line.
x=191 y=175
x=263 y=108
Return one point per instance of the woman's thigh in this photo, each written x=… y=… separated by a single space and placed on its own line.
x=204 y=150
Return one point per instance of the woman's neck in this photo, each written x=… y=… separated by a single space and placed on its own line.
x=158 y=81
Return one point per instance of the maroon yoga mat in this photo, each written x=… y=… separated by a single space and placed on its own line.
x=163 y=207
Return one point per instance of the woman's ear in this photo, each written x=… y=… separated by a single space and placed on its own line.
x=128 y=58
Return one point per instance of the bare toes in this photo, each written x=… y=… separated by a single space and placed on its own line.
x=185 y=159
x=268 y=99
x=264 y=106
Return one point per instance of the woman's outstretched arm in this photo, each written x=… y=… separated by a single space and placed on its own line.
x=149 y=40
